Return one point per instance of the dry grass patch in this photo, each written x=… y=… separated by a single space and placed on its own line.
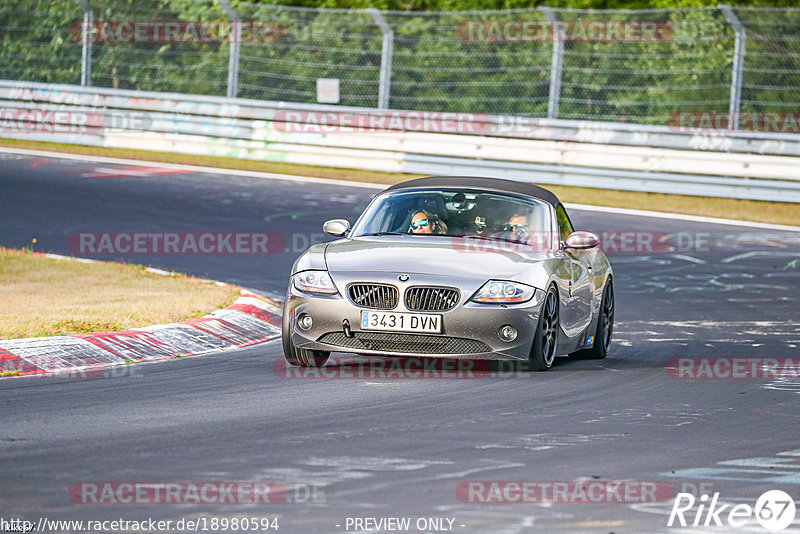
x=726 y=208
x=49 y=297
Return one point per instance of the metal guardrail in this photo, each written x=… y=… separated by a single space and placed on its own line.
x=762 y=166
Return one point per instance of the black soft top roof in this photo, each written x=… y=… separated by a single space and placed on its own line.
x=474 y=182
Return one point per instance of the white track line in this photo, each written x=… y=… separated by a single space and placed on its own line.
x=682 y=217
x=189 y=168
x=346 y=183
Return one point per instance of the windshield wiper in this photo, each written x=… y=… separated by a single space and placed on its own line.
x=381 y=233
x=496 y=238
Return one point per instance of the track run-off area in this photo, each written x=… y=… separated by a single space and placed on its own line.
x=690 y=400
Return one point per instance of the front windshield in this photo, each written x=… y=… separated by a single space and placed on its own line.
x=455 y=213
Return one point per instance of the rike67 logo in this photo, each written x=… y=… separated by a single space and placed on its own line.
x=774 y=510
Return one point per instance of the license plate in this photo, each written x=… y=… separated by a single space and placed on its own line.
x=401 y=322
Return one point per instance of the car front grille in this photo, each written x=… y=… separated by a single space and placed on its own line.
x=431 y=298
x=377 y=296
x=405 y=343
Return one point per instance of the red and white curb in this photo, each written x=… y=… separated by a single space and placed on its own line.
x=250 y=319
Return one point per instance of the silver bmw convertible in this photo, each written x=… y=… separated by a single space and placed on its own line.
x=452 y=267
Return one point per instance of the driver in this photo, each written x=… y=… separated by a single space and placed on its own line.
x=518 y=230
x=517 y=223
x=425 y=222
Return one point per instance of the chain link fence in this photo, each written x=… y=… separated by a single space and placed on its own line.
x=637 y=66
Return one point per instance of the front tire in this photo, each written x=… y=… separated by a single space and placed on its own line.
x=303 y=357
x=545 y=342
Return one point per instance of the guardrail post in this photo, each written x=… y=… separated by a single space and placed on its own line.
x=236 y=39
x=86 y=38
x=386 y=58
x=738 y=64
x=555 y=66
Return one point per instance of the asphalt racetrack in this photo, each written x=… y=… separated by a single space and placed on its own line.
x=373 y=447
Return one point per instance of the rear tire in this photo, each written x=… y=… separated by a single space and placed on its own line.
x=605 y=327
x=545 y=341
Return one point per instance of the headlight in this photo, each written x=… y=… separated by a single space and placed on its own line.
x=498 y=291
x=314 y=282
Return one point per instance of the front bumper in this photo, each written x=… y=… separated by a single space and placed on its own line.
x=470 y=330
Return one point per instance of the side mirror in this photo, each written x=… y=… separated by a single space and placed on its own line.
x=581 y=240
x=336 y=227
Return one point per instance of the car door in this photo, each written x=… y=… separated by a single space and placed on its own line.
x=577 y=313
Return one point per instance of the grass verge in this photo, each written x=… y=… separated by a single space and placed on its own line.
x=726 y=208
x=50 y=297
